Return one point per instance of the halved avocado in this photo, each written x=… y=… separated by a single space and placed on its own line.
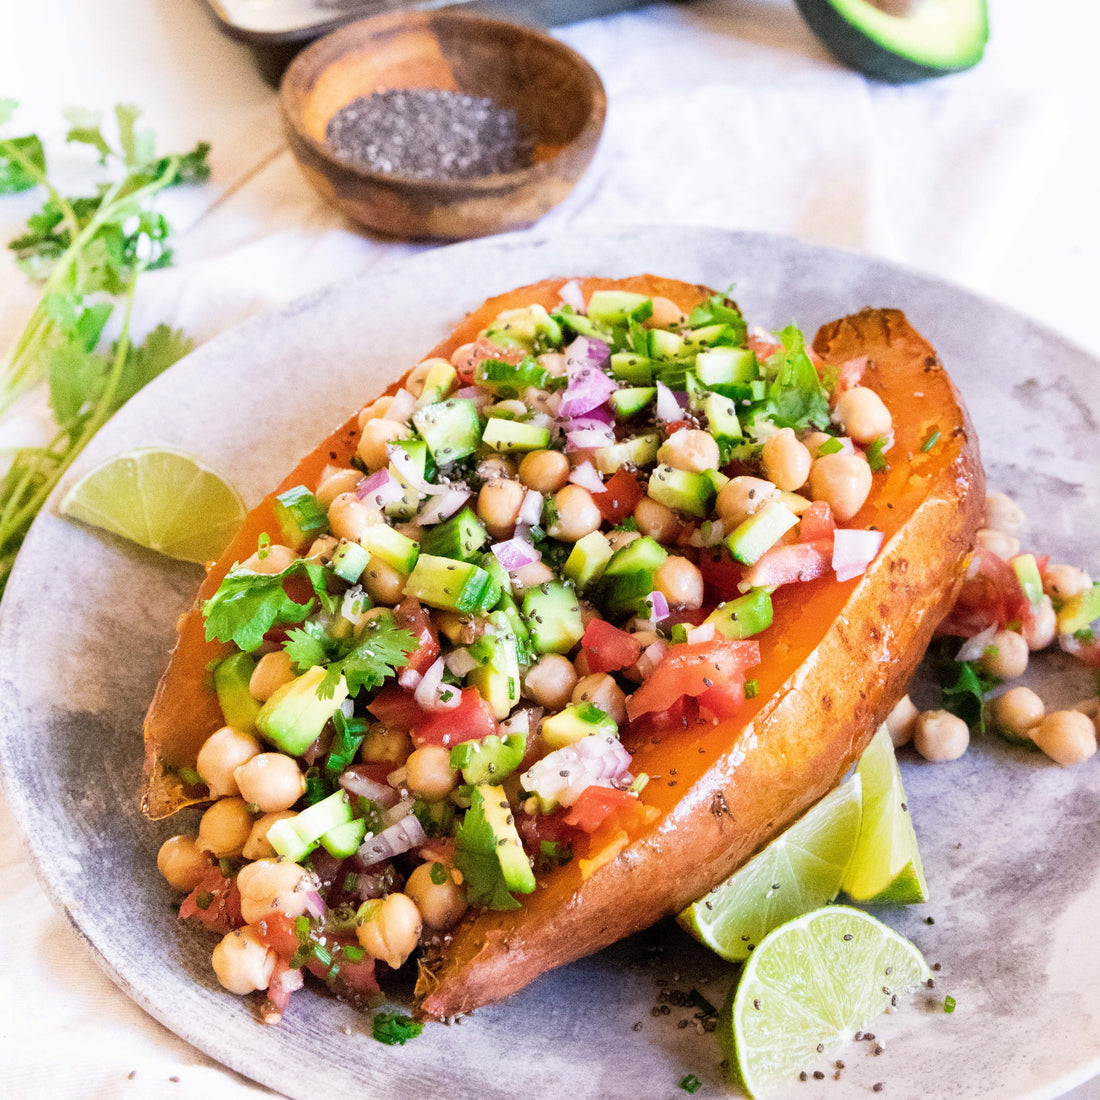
x=901 y=40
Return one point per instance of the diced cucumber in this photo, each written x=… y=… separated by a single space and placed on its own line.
x=627 y=594
x=760 y=532
x=293 y=718
x=524 y=328
x=497 y=678
x=349 y=559
x=743 y=617
x=630 y=400
x=629 y=366
x=451 y=428
x=451 y=585
x=664 y=344
x=682 y=490
x=490 y=759
x=391 y=546
x=344 y=840
x=617 y=307
x=582 y=325
x=638 y=451
x=300 y=516
x=461 y=537
x=721 y=414
x=576 y=722
x=726 y=366
x=588 y=559
x=709 y=336
x=553 y=617
x=508 y=605
x=511 y=379
x=639 y=555
x=231 y=679
x=508 y=435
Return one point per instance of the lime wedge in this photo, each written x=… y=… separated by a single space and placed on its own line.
x=811 y=983
x=799 y=871
x=161 y=499
x=886 y=867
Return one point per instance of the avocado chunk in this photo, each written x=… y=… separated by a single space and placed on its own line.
x=231 y=678
x=898 y=42
x=760 y=532
x=497 y=676
x=301 y=517
x=295 y=837
x=492 y=758
x=578 y=721
x=743 y=617
x=292 y=719
x=500 y=842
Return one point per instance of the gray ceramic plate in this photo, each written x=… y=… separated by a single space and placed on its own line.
x=1010 y=841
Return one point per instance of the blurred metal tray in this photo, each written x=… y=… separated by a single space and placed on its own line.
x=277 y=29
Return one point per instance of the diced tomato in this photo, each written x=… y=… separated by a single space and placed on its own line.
x=534 y=829
x=681 y=715
x=215 y=903
x=1086 y=650
x=850 y=373
x=723 y=700
x=483 y=349
x=376 y=772
x=284 y=981
x=991 y=595
x=356 y=982
x=691 y=670
x=721 y=574
x=674 y=426
x=409 y=615
x=817 y=522
x=277 y=932
x=469 y=721
x=800 y=561
x=607 y=648
x=619 y=498
x=396 y=707
x=594 y=804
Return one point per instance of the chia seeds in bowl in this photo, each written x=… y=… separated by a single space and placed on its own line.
x=429 y=133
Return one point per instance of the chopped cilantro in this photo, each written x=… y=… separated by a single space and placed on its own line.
x=965 y=687
x=395 y=1028
x=930 y=440
x=1085 y=635
x=348 y=736
x=690 y=1083
x=719 y=309
x=438 y=874
x=628 y=524
x=318 y=787
x=375 y=655
x=476 y=857
x=795 y=396
x=875 y=457
x=752 y=688
x=949 y=1003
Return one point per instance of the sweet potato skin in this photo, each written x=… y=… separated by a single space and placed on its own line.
x=834 y=663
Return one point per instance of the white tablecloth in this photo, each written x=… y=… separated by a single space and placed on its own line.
x=722 y=112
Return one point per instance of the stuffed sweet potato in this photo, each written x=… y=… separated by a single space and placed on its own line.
x=699 y=569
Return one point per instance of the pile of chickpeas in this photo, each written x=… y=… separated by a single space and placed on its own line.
x=1066 y=736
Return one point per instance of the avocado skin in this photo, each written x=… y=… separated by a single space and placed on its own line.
x=859 y=50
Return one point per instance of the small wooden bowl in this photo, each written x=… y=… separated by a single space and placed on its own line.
x=556 y=95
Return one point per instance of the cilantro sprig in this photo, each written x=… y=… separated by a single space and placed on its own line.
x=395 y=1028
x=795 y=397
x=476 y=857
x=87 y=252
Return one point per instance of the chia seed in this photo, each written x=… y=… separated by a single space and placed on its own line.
x=429 y=133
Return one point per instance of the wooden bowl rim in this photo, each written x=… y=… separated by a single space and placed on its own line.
x=587 y=136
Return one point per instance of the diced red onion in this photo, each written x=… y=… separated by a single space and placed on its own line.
x=853 y=550
x=601 y=414
x=588 y=439
x=668 y=408
x=409 y=679
x=403 y=463
x=315 y=904
x=515 y=554
x=381 y=487
x=475 y=394
x=442 y=505
x=973 y=648
x=658 y=606
x=432 y=694
x=560 y=776
x=586 y=476
x=401 y=407
x=356 y=783
x=459 y=662
x=709 y=533
x=588 y=385
x=572 y=295
x=401 y=837
x=287 y=980
x=651 y=657
x=530 y=511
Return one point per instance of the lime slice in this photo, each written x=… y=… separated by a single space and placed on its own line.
x=811 y=983
x=886 y=867
x=799 y=871
x=161 y=499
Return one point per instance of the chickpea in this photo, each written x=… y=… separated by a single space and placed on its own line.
x=350 y=518
x=271 y=886
x=997 y=542
x=742 y=497
x=258 y=846
x=183 y=863
x=376 y=410
x=1002 y=513
x=1040 y=630
x=550 y=681
x=786 y=461
x=495 y=466
x=841 y=480
x=463 y=356
x=690 y=449
x=555 y=362
x=428 y=773
x=862 y=415
x=271 y=781
x=498 y=504
x=225 y=827
x=242 y=962
x=577 y=514
x=1018 y=710
x=544 y=471
x=322 y=549
x=656 y=520
x=940 y=735
x=373 y=442
x=901 y=721
x=666 y=314
x=1006 y=655
x=383 y=583
x=680 y=582
x=393 y=931
x=270 y=561
x=1063 y=582
x=271 y=672
x=414 y=383
x=1067 y=736
x=601 y=690
x=221 y=754
x=441 y=904
x=383 y=745
x=531 y=576
x=335 y=480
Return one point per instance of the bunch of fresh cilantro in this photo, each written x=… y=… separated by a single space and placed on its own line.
x=87 y=252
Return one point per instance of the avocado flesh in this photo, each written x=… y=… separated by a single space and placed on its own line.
x=934 y=37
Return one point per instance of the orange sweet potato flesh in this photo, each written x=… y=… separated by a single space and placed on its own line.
x=835 y=661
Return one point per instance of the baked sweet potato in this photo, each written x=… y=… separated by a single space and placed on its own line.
x=837 y=657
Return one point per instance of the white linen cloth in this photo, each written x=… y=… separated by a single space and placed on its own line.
x=722 y=112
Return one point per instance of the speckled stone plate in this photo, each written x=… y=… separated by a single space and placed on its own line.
x=1011 y=842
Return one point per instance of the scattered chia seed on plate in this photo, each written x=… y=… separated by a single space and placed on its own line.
x=429 y=133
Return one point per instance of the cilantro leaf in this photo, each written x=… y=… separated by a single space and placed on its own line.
x=375 y=656
x=795 y=396
x=964 y=692
x=395 y=1028
x=85 y=128
x=309 y=645
x=719 y=309
x=22 y=163
x=476 y=857
x=158 y=351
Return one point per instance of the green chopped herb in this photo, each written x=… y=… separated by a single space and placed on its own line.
x=1085 y=635
x=204 y=900
x=438 y=874
x=752 y=688
x=395 y=1028
x=318 y=786
x=351 y=882
x=965 y=686
x=795 y=397
x=875 y=457
x=190 y=776
x=830 y=446
x=690 y=1083
x=301 y=929
x=347 y=737
x=949 y=1003
x=322 y=954
x=353 y=953
x=225 y=867
x=930 y=440
x=628 y=524
x=476 y=857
